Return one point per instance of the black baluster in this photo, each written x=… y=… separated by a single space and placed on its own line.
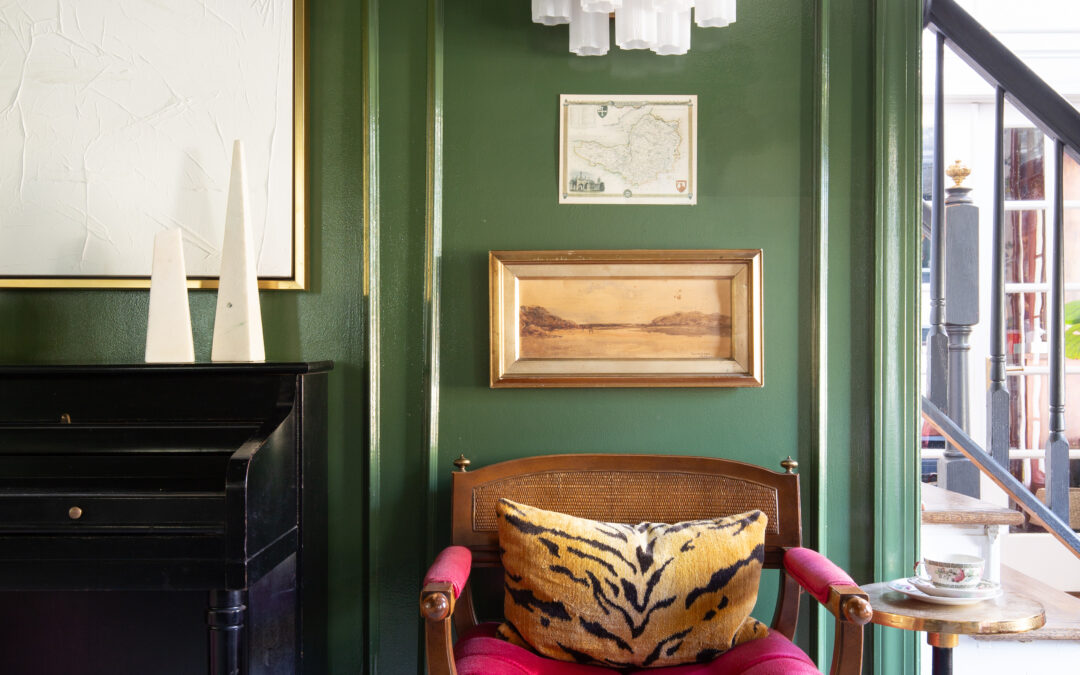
x=1057 y=446
x=997 y=395
x=937 y=344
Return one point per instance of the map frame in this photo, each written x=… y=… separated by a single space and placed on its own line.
x=685 y=197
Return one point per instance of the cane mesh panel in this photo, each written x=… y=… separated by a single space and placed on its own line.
x=627 y=496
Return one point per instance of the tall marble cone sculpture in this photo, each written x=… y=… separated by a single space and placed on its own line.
x=168 y=329
x=238 y=334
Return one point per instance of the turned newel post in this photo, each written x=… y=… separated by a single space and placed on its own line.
x=225 y=621
x=961 y=313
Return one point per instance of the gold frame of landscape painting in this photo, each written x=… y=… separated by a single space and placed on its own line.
x=626 y=318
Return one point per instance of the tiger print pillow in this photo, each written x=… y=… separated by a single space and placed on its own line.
x=629 y=595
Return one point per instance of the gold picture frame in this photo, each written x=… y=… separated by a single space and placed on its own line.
x=297 y=235
x=650 y=318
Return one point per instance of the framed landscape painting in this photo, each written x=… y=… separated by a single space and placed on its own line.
x=626 y=318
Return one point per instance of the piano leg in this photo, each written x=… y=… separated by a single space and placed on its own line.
x=225 y=621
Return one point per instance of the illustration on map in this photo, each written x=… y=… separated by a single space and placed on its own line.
x=627 y=149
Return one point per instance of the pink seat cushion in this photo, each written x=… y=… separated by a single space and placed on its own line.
x=479 y=652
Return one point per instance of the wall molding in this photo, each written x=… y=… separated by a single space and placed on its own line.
x=371 y=307
x=433 y=261
x=819 y=380
x=897 y=232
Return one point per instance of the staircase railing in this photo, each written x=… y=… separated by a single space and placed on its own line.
x=946 y=398
x=1038 y=511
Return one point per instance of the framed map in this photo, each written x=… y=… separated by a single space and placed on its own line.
x=627 y=149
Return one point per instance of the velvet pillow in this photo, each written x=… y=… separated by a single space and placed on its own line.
x=629 y=595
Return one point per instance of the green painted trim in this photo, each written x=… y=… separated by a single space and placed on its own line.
x=819 y=404
x=370 y=84
x=898 y=157
x=433 y=259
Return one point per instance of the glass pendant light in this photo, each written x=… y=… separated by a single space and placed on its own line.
x=635 y=24
x=672 y=5
x=601 y=5
x=590 y=32
x=551 y=12
x=672 y=32
x=714 y=13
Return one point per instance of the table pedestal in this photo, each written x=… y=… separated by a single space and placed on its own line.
x=942 y=643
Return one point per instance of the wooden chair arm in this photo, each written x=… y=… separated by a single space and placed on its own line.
x=850 y=606
x=437 y=600
x=849 y=603
x=833 y=588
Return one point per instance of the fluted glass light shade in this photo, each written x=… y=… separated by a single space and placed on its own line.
x=551 y=12
x=672 y=32
x=672 y=5
x=714 y=13
x=590 y=32
x=635 y=24
x=601 y=5
x=664 y=26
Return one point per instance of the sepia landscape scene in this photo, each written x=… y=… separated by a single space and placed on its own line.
x=625 y=318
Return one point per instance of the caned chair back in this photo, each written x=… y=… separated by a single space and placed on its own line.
x=625 y=489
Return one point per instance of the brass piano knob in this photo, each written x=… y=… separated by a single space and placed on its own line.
x=74 y=513
x=790 y=465
x=462 y=463
x=65 y=419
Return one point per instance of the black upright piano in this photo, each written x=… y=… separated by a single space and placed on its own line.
x=198 y=478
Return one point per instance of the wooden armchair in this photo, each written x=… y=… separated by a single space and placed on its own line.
x=632 y=489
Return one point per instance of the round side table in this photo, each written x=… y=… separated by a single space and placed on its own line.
x=943 y=624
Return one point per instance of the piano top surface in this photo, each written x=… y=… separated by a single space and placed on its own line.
x=206 y=368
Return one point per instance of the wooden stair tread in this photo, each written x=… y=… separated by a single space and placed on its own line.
x=944 y=507
x=1062 y=609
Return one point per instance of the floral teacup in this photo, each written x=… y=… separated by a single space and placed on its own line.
x=953 y=571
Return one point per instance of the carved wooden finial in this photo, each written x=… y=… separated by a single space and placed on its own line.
x=790 y=465
x=958 y=172
x=858 y=610
x=434 y=607
x=462 y=463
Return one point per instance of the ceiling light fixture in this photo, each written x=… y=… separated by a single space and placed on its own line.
x=660 y=25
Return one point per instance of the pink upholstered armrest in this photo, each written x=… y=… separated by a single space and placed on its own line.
x=815 y=572
x=452 y=567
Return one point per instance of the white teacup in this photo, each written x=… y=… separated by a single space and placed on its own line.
x=954 y=570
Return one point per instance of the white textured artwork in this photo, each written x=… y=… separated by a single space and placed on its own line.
x=627 y=149
x=117 y=119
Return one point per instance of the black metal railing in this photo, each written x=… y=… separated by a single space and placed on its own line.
x=950 y=282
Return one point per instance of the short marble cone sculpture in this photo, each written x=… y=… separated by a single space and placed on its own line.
x=168 y=330
x=238 y=334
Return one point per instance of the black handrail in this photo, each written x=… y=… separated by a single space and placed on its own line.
x=1000 y=475
x=1001 y=68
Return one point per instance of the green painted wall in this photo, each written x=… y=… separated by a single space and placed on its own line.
x=757 y=167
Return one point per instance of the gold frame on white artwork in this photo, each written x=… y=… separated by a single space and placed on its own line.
x=298 y=278
x=741 y=267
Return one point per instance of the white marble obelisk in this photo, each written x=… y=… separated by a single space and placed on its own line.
x=238 y=334
x=168 y=329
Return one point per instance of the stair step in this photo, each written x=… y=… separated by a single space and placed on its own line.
x=1062 y=609
x=944 y=507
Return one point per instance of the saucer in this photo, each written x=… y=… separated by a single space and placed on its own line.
x=985 y=589
x=907 y=588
